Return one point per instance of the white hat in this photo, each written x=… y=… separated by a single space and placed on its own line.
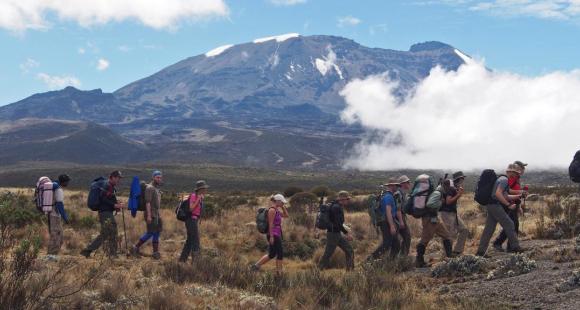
x=280 y=197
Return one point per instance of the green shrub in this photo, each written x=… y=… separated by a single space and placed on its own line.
x=302 y=202
x=291 y=191
x=16 y=211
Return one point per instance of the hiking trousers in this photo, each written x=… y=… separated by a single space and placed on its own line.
x=406 y=237
x=108 y=234
x=496 y=214
x=514 y=216
x=333 y=240
x=456 y=228
x=192 y=245
x=430 y=229
x=389 y=242
x=55 y=233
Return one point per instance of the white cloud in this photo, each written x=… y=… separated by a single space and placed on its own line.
x=348 y=21
x=22 y=15
x=81 y=50
x=28 y=65
x=102 y=64
x=57 y=82
x=546 y=9
x=287 y=2
x=471 y=118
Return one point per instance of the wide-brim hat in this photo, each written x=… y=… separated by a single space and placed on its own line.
x=343 y=194
x=392 y=182
x=201 y=185
x=513 y=168
x=403 y=179
x=279 y=197
x=458 y=175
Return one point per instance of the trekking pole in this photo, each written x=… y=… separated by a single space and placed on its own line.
x=125 y=232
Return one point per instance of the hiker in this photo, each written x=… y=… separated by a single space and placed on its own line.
x=403 y=189
x=108 y=204
x=335 y=231
x=276 y=212
x=501 y=200
x=449 y=215
x=56 y=216
x=388 y=225
x=514 y=189
x=192 y=245
x=432 y=224
x=152 y=217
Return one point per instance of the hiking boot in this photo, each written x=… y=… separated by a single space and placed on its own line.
x=255 y=268
x=156 y=255
x=86 y=253
x=135 y=252
x=484 y=255
x=498 y=247
x=420 y=261
x=447 y=246
x=517 y=250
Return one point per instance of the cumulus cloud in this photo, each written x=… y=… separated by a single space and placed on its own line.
x=28 y=65
x=22 y=15
x=102 y=64
x=348 y=21
x=287 y=2
x=57 y=82
x=466 y=119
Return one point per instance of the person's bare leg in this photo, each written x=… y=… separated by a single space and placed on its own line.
x=279 y=264
x=263 y=260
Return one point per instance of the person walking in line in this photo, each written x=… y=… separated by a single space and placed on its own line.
x=496 y=213
x=388 y=226
x=56 y=217
x=515 y=188
x=276 y=212
x=336 y=234
x=108 y=204
x=449 y=215
x=401 y=196
x=196 y=200
x=432 y=225
x=152 y=216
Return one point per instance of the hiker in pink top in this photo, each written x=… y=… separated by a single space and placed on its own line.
x=276 y=212
x=192 y=244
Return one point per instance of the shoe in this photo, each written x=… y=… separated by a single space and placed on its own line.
x=135 y=252
x=517 y=250
x=484 y=255
x=498 y=247
x=254 y=267
x=156 y=255
x=86 y=253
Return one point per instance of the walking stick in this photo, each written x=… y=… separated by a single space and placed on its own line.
x=125 y=232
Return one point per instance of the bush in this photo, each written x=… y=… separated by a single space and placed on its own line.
x=302 y=202
x=291 y=191
x=17 y=212
x=321 y=191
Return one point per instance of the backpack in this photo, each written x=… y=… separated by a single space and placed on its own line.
x=142 y=205
x=182 y=211
x=262 y=220
x=44 y=195
x=574 y=169
x=374 y=208
x=95 y=192
x=423 y=187
x=484 y=188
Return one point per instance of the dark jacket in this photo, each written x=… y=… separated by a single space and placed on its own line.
x=336 y=219
x=108 y=198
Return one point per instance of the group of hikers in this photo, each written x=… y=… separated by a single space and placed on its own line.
x=436 y=205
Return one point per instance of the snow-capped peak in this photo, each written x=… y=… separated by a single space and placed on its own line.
x=280 y=38
x=218 y=50
x=464 y=57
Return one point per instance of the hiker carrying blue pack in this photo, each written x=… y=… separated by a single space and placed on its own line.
x=152 y=216
x=103 y=199
x=389 y=223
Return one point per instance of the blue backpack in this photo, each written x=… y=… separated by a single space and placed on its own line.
x=95 y=191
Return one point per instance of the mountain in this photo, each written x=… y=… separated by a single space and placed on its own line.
x=271 y=102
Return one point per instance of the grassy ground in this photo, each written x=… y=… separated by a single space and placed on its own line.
x=220 y=278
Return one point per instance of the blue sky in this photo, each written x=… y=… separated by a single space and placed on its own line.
x=109 y=43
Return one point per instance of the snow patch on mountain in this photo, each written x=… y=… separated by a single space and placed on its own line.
x=279 y=38
x=218 y=50
x=327 y=63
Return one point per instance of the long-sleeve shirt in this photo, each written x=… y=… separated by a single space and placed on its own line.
x=336 y=219
x=59 y=202
x=108 y=198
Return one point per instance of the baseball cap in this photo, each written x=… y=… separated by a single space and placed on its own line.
x=280 y=197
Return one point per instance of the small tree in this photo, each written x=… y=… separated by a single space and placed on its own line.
x=301 y=202
x=291 y=191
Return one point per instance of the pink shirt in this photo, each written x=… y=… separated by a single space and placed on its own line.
x=196 y=211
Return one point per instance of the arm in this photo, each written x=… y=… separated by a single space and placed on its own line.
x=390 y=219
x=501 y=198
x=339 y=219
x=453 y=199
x=400 y=218
x=59 y=204
x=148 y=198
x=194 y=203
x=271 y=215
x=285 y=212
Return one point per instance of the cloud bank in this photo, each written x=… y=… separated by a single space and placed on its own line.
x=22 y=15
x=54 y=82
x=469 y=119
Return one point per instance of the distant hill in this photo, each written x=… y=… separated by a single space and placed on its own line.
x=273 y=102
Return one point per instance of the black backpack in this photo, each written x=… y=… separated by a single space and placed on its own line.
x=484 y=187
x=95 y=191
x=182 y=211
x=142 y=203
x=262 y=220
x=574 y=169
x=323 y=215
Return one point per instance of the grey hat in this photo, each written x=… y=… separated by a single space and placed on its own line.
x=403 y=179
x=200 y=185
x=458 y=175
x=343 y=194
x=520 y=163
x=392 y=182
